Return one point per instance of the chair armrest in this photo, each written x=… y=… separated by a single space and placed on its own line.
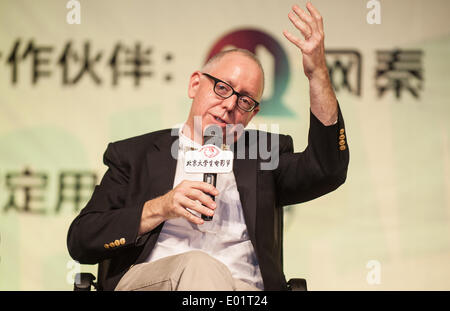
x=83 y=281
x=297 y=285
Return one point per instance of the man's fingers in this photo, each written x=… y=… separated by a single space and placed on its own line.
x=299 y=43
x=191 y=195
x=315 y=13
x=195 y=194
x=305 y=29
x=306 y=18
x=192 y=200
x=182 y=211
x=205 y=187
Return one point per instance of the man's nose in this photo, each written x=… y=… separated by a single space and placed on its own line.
x=230 y=102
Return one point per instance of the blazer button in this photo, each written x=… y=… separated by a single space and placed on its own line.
x=106 y=246
x=341 y=131
x=122 y=241
x=117 y=243
x=342 y=142
x=342 y=147
x=342 y=137
x=112 y=245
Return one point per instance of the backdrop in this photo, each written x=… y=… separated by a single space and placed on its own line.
x=68 y=89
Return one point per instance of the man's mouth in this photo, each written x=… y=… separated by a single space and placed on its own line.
x=220 y=120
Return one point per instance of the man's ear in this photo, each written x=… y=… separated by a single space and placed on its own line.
x=194 y=84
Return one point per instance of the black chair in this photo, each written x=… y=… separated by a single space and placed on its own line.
x=84 y=281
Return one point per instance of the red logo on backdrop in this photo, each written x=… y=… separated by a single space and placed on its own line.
x=210 y=151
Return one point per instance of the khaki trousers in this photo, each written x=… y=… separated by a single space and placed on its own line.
x=190 y=271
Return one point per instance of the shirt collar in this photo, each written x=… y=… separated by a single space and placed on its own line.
x=185 y=143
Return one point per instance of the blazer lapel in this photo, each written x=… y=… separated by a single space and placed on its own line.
x=161 y=165
x=159 y=179
x=245 y=173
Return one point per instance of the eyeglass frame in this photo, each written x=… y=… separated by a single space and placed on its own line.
x=216 y=80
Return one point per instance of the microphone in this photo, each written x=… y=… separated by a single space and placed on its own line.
x=212 y=135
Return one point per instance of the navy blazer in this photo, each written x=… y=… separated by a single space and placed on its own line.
x=142 y=168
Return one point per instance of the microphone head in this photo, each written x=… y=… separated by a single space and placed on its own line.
x=213 y=135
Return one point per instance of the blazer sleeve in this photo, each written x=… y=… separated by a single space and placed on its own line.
x=319 y=169
x=109 y=223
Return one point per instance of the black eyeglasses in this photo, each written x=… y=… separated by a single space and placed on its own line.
x=225 y=91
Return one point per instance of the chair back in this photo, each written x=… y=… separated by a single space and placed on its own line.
x=102 y=272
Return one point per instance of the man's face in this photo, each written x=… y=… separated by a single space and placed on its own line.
x=239 y=71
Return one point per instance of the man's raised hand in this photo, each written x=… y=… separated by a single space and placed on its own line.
x=312 y=45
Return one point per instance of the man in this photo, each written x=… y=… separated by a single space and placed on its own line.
x=145 y=216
